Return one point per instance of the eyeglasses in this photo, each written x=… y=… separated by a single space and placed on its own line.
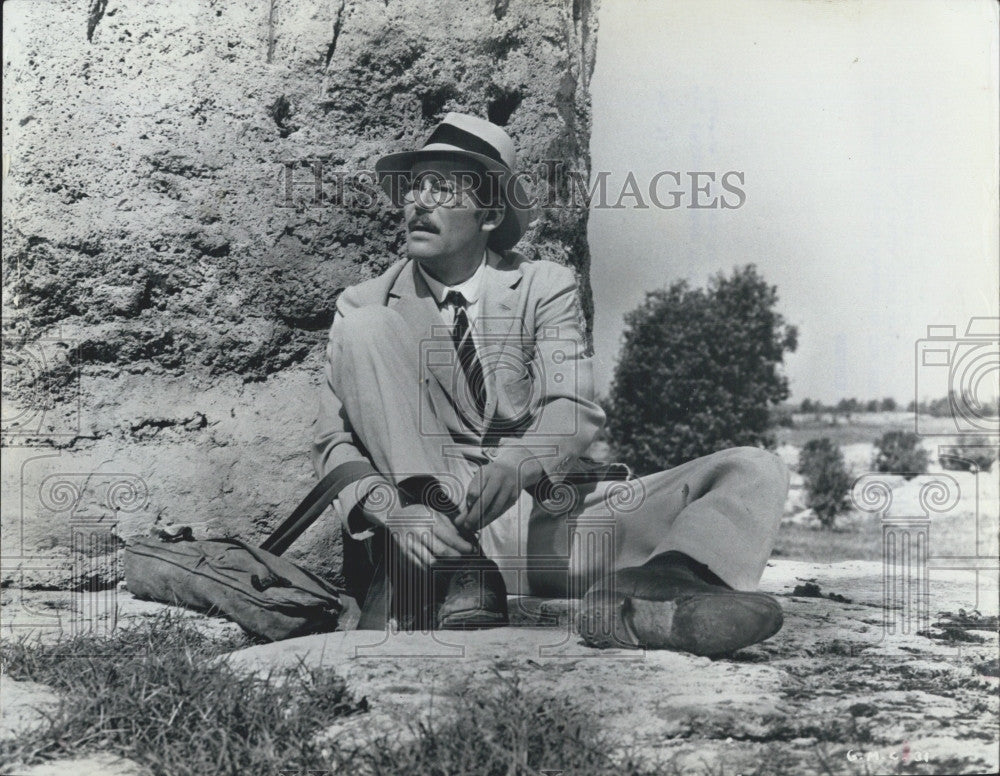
x=434 y=191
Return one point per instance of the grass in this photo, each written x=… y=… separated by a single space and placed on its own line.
x=861 y=541
x=154 y=693
x=859 y=537
x=497 y=728
x=159 y=694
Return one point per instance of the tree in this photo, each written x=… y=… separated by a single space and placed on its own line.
x=699 y=371
x=872 y=405
x=888 y=404
x=899 y=452
x=827 y=481
x=807 y=406
x=848 y=407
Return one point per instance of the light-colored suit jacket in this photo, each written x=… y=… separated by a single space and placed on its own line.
x=531 y=341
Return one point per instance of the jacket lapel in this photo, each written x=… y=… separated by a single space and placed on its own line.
x=494 y=326
x=497 y=319
x=411 y=298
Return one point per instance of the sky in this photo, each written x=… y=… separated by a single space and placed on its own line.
x=867 y=138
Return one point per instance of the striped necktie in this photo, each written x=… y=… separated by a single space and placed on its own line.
x=466 y=348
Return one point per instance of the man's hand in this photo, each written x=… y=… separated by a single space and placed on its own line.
x=424 y=535
x=495 y=489
x=421 y=533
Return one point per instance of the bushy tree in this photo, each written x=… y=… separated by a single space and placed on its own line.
x=827 y=481
x=781 y=417
x=899 y=452
x=699 y=371
x=848 y=407
x=888 y=404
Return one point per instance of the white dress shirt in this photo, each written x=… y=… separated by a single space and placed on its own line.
x=471 y=289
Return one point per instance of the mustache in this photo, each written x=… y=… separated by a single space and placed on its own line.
x=421 y=223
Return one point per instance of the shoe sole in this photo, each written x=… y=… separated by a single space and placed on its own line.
x=702 y=624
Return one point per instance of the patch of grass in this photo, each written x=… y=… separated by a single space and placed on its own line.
x=968 y=620
x=501 y=727
x=161 y=694
x=862 y=541
x=860 y=538
x=155 y=694
x=988 y=667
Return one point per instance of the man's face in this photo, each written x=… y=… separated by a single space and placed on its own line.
x=443 y=221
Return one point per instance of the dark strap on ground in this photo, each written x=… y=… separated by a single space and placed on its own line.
x=313 y=505
x=375 y=612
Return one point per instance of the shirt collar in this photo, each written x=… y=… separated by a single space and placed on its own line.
x=471 y=289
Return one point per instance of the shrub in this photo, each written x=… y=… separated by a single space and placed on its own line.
x=899 y=452
x=698 y=371
x=972 y=453
x=827 y=481
x=781 y=417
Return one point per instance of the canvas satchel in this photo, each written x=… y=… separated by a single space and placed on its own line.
x=268 y=596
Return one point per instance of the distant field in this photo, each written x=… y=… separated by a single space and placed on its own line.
x=971 y=528
x=860 y=538
x=863 y=427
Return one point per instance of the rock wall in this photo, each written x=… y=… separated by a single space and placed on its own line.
x=170 y=269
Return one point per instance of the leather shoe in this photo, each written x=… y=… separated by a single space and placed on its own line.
x=471 y=594
x=666 y=606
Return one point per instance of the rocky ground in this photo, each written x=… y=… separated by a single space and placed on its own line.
x=846 y=685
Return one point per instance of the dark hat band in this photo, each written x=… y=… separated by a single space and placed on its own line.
x=452 y=135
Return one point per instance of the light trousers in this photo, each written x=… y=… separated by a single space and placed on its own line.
x=723 y=510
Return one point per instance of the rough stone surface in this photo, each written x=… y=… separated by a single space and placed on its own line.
x=23 y=705
x=841 y=676
x=165 y=311
x=832 y=680
x=93 y=765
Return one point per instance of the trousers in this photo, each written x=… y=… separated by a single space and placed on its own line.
x=723 y=509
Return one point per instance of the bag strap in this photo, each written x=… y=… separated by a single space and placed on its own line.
x=375 y=611
x=313 y=505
